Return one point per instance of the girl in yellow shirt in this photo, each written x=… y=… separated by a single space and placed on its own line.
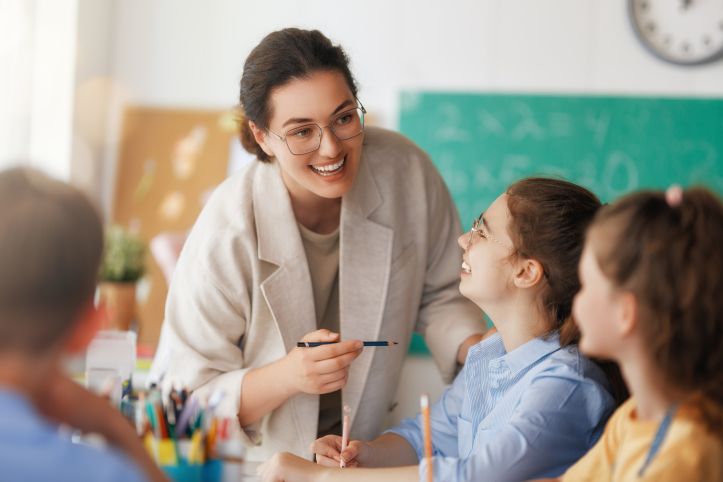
x=652 y=300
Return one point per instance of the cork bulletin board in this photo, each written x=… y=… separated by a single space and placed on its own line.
x=169 y=161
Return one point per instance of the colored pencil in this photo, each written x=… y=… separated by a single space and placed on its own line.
x=424 y=402
x=344 y=433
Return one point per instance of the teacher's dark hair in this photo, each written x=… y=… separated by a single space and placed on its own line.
x=283 y=56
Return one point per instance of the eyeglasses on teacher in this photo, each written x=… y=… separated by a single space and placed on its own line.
x=307 y=138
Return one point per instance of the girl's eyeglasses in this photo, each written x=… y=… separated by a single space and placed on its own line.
x=479 y=228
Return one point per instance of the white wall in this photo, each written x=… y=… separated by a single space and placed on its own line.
x=53 y=86
x=170 y=52
x=93 y=85
x=37 y=47
x=190 y=54
x=16 y=42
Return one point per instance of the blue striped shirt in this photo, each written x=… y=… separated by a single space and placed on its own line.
x=526 y=414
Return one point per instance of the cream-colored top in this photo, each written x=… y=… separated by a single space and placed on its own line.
x=688 y=452
x=241 y=294
x=322 y=256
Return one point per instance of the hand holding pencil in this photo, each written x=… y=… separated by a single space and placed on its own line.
x=328 y=452
x=323 y=369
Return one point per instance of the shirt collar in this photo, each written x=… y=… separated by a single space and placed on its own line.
x=489 y=348
x=527 y=354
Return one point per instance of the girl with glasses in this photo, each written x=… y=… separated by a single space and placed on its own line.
x=527 y=403
x=339 y=233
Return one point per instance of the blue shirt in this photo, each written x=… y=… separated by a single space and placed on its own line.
x=31 y=449
x=526 y=414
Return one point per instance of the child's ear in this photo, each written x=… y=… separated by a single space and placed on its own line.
x=89 y=321
x=529 y=273
x=626 y=313
x=260 y=136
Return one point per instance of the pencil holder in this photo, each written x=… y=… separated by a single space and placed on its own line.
x=210 y=471
x=173 y=457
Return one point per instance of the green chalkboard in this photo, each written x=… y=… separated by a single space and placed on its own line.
x=481 y=143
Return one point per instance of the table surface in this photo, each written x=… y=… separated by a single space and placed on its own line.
x=245 y=472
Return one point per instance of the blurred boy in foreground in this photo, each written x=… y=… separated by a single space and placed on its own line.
x=51 y=241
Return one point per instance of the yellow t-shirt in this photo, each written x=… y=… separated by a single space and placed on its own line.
x=688 y=452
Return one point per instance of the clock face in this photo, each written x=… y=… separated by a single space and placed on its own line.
x=680 y=31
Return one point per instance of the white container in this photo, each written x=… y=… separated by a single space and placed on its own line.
x=109 y=362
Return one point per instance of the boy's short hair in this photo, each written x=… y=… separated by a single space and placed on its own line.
x=51 y=242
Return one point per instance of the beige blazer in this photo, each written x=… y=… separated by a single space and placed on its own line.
x=241 y=295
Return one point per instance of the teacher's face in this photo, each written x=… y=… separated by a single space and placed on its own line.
x=329 y=171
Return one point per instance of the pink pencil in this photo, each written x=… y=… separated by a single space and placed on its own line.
x=344 y=433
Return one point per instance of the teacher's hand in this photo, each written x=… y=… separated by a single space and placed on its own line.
x=320 y=369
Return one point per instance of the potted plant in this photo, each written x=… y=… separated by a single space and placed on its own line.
x=122 y=266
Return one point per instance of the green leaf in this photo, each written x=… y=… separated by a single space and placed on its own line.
x=123 y=256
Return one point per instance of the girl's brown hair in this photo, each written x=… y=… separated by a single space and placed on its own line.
x=670 y=255
x=549 y=218
x=280 y=57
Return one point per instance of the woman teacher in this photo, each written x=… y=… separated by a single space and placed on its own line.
x=337 y=233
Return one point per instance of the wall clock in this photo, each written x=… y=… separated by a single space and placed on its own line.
x=684 y=32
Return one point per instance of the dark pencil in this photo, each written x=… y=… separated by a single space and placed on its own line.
x=309 y=344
